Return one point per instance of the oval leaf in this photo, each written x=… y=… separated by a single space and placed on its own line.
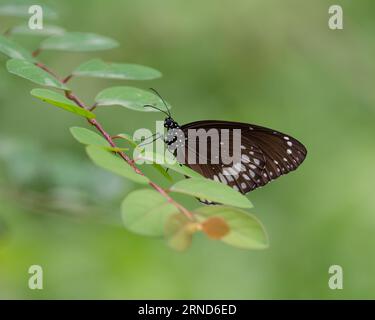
x=128 y=138
x=47 y=30
x=168 y=161
x=179 y=232
x=157 y=166
x=91 y=138
x=13 y=50
x=88 y=137
x=146 y=212
x=211 y=190
x=79 y=42
x=245 y=231
x=129 y=97
x=30 y=71
x=113 y=163
x=100 y=69
x=61 y=101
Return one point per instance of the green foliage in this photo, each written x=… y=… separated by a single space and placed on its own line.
x=129 y=97
x=58 y=100
x=168 y=161
x=48 y=30
x=122 y=71
x=30 y=71
x=78 y=42
x=145 y=212
x=211 y=190
x=134 y=144
x=14 y=50
x=86 y=136
x=113 y=163
x=179 y=232
x=245 y=231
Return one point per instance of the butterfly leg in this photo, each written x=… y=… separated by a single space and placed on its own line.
x=154 y=136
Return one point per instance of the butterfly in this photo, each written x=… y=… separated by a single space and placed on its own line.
x=265 y=154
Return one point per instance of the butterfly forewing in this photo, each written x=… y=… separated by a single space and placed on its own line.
x=266 y=154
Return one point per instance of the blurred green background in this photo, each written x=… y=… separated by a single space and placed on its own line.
x=268 y=62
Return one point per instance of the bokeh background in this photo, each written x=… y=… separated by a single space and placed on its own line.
x=268 y=62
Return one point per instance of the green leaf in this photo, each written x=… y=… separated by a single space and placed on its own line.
x=128 y=138
x=86 y=136
x=212 y=191
x=179 y=232
x=129 y=97
x=100 y=69
x=162 y=171
x=48 y=30
x=13 y=50
x=245 y=230
x=60 y=101
x=22 y=10
x=168 y=161
x=113 y=163
x=89 y=137
x=146 y=212
x=157 y=166
x=79 y=42
x=30 y=71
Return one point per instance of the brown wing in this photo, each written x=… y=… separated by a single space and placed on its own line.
x=266 y=154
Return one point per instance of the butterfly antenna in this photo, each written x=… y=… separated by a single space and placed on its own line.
x=153 y=107
x=161 y=98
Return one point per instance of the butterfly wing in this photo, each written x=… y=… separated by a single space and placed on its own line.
x=266 y=154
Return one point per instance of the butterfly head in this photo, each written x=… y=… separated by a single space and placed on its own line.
x=169 y=123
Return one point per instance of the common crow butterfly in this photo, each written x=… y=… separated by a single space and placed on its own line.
x=266 y=154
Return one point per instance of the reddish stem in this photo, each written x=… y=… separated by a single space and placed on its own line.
x=36 y=52
x=66 y=79
x=70 y=95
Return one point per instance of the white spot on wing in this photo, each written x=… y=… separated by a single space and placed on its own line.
x=222 y=178
x=245 y=158
x=237 y=166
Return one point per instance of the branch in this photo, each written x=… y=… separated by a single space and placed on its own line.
x=67 y=78
x=36 y=52
x=70 y=95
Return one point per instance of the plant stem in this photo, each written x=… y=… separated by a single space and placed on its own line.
x=36 y=52
x=70 y=95
x=67 y=78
